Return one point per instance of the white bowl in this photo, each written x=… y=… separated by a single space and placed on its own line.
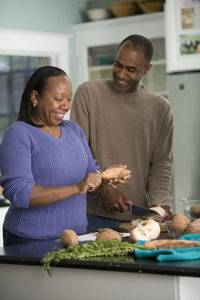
x=97 y=14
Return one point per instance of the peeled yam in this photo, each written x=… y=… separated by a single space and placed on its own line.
x=115 y=173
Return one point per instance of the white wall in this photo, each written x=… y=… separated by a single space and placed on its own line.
x=44 y=16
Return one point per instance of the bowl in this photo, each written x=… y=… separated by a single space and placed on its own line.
x=97 y=14
x=149 y=7
x=191 y=207
x=177 y=230
x=124 y=9
x=140 y=1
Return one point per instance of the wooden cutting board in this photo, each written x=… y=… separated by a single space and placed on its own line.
x=127 y=227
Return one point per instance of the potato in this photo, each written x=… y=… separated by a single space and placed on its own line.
x=115 y=173
x=195 y=211
x=179 y=223
x=108 y=234
x=68 y=238
x=106 y=229
x=194 y=227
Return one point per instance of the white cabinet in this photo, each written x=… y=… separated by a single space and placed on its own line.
x=97 y=42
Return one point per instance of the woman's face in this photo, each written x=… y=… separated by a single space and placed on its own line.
x=54 y=103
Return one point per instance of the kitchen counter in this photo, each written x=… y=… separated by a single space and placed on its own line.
x=82 y=278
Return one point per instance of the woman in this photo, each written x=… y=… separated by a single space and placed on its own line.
x=46 y=164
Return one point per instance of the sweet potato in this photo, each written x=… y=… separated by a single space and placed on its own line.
x=172 y=244
x=115 y=173
x=106 y=229
x=179 y=223
x=194 y=227
x=108 y=234
x=68 y=238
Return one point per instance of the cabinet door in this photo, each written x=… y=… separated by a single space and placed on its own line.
x=156 y=79
x=101 y=58
x=100 y=61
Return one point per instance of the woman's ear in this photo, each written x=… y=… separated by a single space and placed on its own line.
x=34 y=98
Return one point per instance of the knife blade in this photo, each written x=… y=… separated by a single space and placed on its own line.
x=143 y=212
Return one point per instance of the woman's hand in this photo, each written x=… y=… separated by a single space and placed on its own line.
x=89 y=183
x=117 y=183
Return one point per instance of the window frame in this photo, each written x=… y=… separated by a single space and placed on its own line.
x=43 y=44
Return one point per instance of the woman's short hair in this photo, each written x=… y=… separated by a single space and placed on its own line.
x=37 y=82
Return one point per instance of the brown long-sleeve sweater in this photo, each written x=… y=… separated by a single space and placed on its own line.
x=135 y=129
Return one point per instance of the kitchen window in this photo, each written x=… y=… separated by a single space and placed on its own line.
x=14 y=74
x=21 y=53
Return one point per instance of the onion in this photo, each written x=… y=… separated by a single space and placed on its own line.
x=139 y=233
x=152 y=226
x=160 y=211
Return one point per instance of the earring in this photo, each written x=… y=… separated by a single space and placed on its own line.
x=34 y=105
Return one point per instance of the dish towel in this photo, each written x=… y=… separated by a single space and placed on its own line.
x=172 y=254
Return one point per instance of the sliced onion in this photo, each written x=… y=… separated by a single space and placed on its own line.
x=152 y=226
x=139 y=233
x=160 y=211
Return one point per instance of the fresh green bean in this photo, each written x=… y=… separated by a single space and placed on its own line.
x=100 y=248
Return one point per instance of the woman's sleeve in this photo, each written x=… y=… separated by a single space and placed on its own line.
x=15 y=163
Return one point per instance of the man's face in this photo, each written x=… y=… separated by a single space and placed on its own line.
x=128 y=68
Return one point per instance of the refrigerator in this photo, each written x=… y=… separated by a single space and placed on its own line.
x=182 y=25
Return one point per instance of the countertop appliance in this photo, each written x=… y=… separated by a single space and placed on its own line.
x=183 y=71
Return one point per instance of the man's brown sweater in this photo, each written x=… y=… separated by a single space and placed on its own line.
x=135 y=129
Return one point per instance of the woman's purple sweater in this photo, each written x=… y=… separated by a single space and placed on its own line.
x=30 y=156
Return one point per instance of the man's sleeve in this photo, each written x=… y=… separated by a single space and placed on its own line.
x=80 y=110
x=160 y=169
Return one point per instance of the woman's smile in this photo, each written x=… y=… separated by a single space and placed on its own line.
x=59 y=116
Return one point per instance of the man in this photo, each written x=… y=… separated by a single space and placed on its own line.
x=124 y=122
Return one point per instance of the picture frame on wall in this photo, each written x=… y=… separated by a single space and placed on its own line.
x=182 y=26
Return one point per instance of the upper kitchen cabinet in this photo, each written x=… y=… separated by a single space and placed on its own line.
x=97 y=42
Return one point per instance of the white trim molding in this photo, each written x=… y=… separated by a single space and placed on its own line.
x=30 y=43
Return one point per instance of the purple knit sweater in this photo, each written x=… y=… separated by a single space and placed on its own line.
x=30 y=156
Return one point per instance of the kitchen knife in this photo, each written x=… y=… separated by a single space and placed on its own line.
x=144 y=213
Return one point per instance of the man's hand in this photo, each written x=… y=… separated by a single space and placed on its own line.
x=115 y=200
x=169 y=213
